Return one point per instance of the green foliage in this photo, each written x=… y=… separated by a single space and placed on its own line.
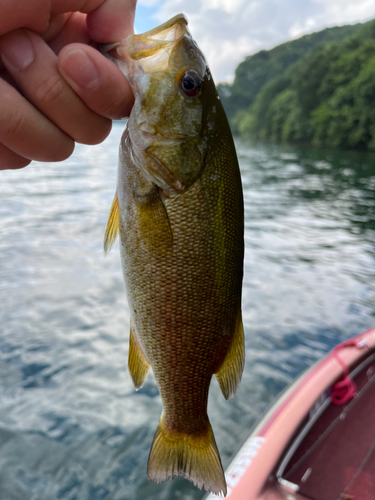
x=327 y=97
x=347 y=118
x=257 y=70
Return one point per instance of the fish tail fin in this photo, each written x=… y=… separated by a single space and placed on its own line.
x=195 y=457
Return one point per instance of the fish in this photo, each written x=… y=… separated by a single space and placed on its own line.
x=178 y=210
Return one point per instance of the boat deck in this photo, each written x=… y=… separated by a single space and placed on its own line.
x=336 y=458
x=306 y=447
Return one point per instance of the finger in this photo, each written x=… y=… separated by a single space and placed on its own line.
x=110 y=94
x=36 y=14
x=33 y=14
x=11 y=160
x=6 y=76
x=61 y=6
x=28 y=133
x=74 y=31
x=55 y=26
x=112 y=21
x=42 y=85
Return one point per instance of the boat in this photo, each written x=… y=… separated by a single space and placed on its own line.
x=317 y=442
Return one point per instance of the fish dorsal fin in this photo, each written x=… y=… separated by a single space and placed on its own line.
x=111 y=229
x=137 y=363
x=230 y=372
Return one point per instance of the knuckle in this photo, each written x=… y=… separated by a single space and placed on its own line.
x=13 y=122
x=49 y=91
x=29 y=136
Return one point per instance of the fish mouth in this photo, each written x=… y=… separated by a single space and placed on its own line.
x=171 y=30
x=152 y=49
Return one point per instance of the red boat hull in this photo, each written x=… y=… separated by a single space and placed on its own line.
x=318 y=441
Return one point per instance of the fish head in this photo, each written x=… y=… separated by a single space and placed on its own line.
x=170 y=79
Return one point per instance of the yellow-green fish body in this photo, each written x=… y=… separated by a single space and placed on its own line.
x=179 y=211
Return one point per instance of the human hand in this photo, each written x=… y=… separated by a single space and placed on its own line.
x=55 y=87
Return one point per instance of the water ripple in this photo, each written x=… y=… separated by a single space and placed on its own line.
x=71 y=425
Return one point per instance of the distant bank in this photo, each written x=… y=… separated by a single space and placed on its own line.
x=319 y=90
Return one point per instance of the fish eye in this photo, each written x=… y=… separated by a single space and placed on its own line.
x=190 y=83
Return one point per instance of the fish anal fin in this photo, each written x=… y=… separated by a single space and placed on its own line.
x=112 y=227
x=230 y=371
x=196 y=458
x=137 y=363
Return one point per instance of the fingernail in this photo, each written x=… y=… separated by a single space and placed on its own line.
x=79 y=67
x=16 y=50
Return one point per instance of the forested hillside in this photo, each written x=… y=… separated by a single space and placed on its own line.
x=319 y=89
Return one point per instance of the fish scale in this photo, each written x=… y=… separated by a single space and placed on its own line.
x=179 y=212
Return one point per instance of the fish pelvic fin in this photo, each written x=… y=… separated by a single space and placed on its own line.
x=195 y=457
x=137 y=362
x=230 y=372
x=113 y=223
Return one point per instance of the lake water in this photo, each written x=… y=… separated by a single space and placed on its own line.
x=71 y=425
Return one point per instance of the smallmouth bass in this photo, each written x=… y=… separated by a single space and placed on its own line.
x=178 y=209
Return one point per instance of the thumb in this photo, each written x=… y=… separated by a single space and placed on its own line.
x=96 y=80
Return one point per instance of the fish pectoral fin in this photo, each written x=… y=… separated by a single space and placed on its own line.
x=137 y=363
x=230 y=372
x=113 y=223
x=196 y=458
